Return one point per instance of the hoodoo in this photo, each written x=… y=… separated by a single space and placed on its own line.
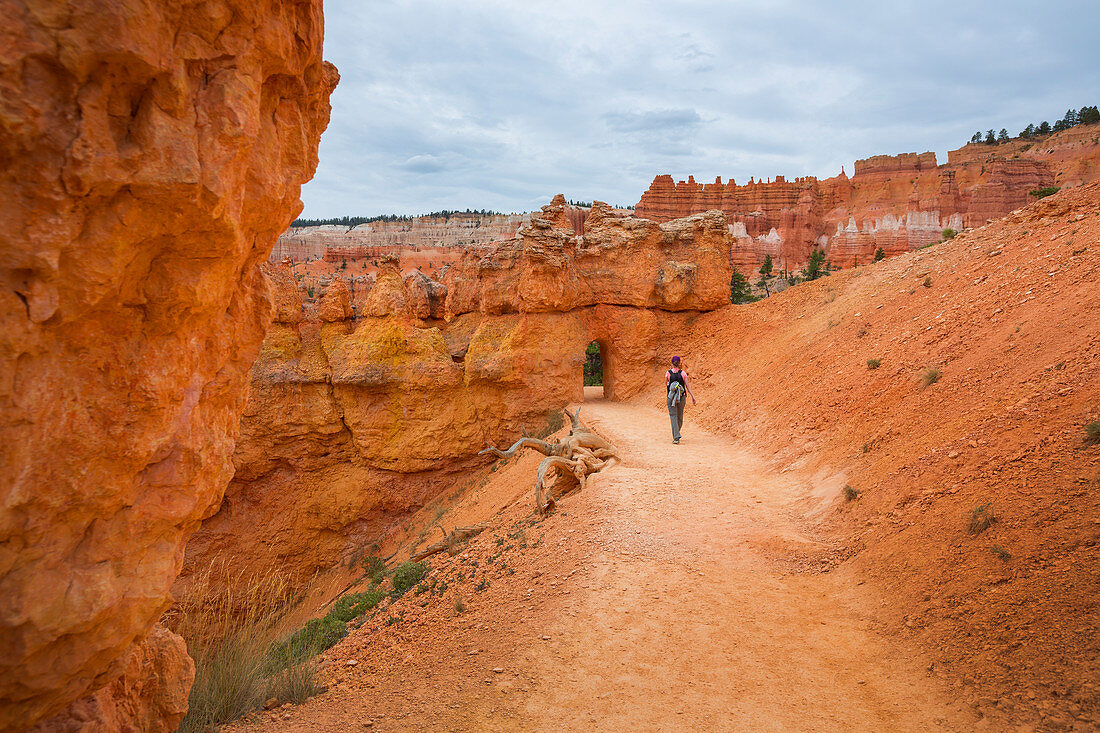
x=895 y=202
x=150 y=157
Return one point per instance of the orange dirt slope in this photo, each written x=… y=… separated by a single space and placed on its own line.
x=1010 y=316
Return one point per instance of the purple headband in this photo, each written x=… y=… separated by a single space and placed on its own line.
x=675 y=360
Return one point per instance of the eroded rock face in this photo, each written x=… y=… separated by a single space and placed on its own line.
x=150 y=695
x=151 y=154
x=897 y=202
x=359 y=422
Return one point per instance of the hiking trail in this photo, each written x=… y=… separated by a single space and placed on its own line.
x=677 y=591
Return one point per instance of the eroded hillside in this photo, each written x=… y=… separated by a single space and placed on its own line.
x=1008 y=316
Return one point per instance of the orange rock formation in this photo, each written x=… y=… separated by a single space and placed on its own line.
x=151 y=156
x=367 y=404
x=898 y=203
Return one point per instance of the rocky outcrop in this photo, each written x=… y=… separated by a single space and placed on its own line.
x=894 y=202
x=151 y=156
x=150 y=695
x=358 y=422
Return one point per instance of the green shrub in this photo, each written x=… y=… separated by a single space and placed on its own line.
x=874 y=363
x=850 y=494
x=740 y=290
x=406 y=575
x=1041 y=193
x=949 y=233
x=880 y=255
x=460 y=605
x=375 y=568
x=1092 y=432
x=982 y=518
x=930 y=376
x=1000 y=552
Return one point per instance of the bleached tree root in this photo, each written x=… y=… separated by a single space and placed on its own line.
x=568 y=463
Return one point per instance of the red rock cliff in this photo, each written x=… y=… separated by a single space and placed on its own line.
x=150 y=154
x=896 y=202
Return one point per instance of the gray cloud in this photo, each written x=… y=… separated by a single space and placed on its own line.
x=500 y=104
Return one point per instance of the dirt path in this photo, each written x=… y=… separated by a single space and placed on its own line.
x=672 y=594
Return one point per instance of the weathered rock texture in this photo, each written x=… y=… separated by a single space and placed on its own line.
x=150 y=154
x=899 y=203
x=365 y=405
x=150 y=695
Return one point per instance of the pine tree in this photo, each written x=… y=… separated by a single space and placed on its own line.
x=1088 y=116
x=813 y=269
x=1044 y=128
x=977 y=137
x=740 y=290
x=1070 y=118
x=990 y=139
x=766 y=268
x=880 y=254
x=1002 y=136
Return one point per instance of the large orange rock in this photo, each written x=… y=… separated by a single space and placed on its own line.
x=619 y=260
x=895 y=202
x=150 y=695
x=151 y=154
x=358 y=423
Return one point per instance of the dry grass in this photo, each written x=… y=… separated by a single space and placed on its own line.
x=230 y=623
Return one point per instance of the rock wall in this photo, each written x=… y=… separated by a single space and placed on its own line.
x=152 y=152
x=896 y=202
x=366 y=405
x=382 y=237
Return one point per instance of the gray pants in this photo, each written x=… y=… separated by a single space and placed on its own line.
x=676 y=415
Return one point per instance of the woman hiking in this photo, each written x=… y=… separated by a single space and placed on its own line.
x=678 y=386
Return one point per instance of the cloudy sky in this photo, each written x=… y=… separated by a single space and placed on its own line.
x=499 y=105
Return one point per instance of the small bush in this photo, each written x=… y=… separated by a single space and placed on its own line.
x=554 y=423
x=482 y=585
x=1092 y=432
x=1000 y=552
x=949 y=233
x=850 y=494
x=868 y=446
x=930 y=376
x=982 y=518
x=880 y=255
x=406 y=575
x=874 y=363
x=1041 y=193
x=460 y=605
x=375 y=567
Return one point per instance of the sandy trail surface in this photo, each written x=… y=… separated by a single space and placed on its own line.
x=677 y=591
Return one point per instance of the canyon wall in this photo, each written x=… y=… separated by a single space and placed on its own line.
x=365 y=404
x=151 y=154
x=381 y=237
x=899 y=203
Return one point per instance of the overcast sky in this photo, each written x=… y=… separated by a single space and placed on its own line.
x=500 y=105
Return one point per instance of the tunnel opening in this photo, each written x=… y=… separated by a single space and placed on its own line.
x=593 y=371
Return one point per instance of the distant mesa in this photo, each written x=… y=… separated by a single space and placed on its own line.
x=896 y=202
